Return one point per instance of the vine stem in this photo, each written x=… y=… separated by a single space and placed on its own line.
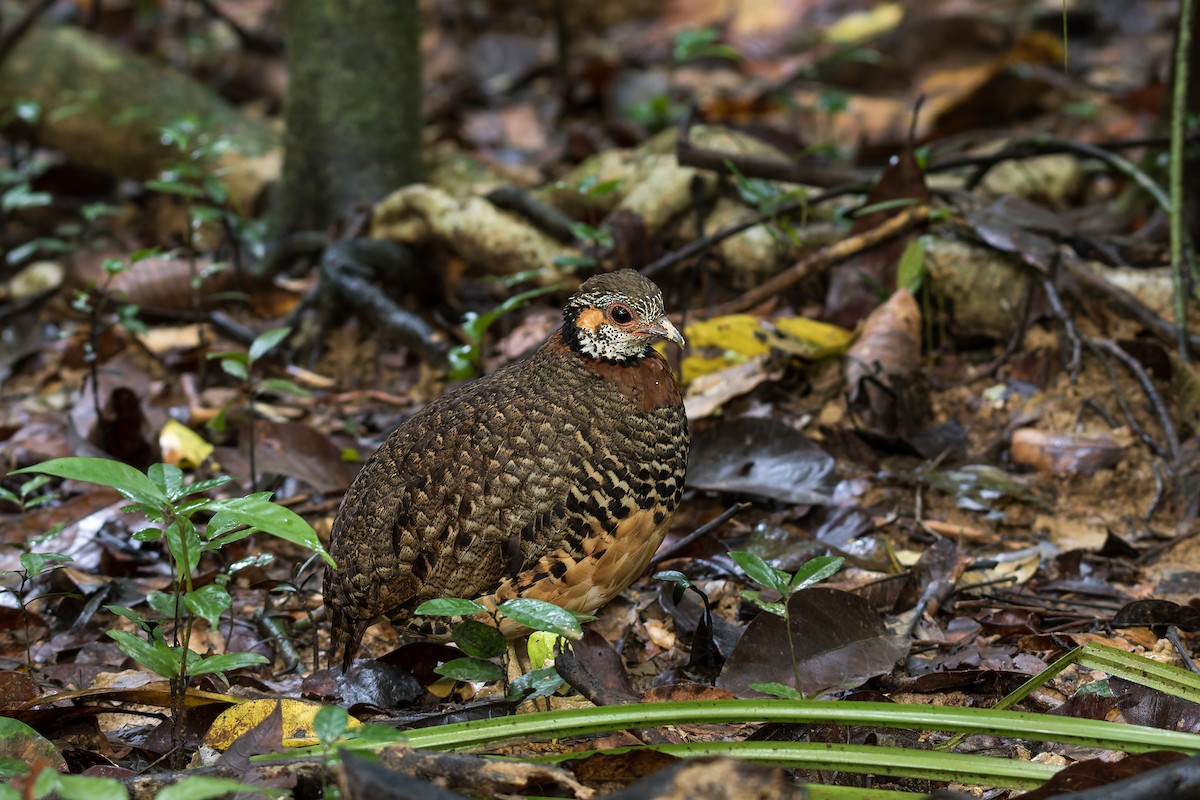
x=1175 y=172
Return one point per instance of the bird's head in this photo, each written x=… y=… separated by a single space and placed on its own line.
x=616 y=317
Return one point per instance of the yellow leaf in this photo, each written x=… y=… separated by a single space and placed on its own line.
x=297 y=722
x=182 y=446
x=809 y=338
x=740 y=333
x=860 y=25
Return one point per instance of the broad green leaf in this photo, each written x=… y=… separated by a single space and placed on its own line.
x=535 y=683
x=174 y=187
x=89 y=787
x=204 y=787
x=266 y=341
x=208 y=602
x=32 y=563
x=478 y=639
x=910 y=273
x=284 y=387
x=470 y=669
x=329 y=723
x=163 y=603
x=781 y=690
x=204 y=486
x=450 y=607
x=168 y=478
x=235 y=368
x=257 y=512
x=815 y=570
x=542 y=616
x=184 y=545
x=154 y=656
x=760 y=571
x=131 y=483
x=224 y=663
x=672 y=575
x=778 y=609
x=129 y=614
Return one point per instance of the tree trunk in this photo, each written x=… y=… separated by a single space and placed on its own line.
x=353 y=107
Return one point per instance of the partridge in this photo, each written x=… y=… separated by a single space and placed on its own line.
x=553 y=478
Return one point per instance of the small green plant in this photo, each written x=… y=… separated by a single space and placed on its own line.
x=465 y=358
x=240 y=366
x=784 y=584
x=92 y=300
x=768 y=198
x=704 y=653
x=170 y=506
x=483 y=643
x=693 y=43
x=33 y=565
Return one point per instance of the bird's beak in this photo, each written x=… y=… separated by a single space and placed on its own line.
x=663 y=329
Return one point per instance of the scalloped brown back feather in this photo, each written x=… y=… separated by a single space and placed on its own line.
x=554 y=478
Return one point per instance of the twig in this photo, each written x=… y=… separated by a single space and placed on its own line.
x=752 y=166
x=13 y=35
x=1156 y=401
x=825 y=257
x=1064 y=318
x=700 y=532
x=1126 y=303
x=250 y=42
x=1175 y=173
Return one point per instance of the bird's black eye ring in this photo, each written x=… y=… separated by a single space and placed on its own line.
x=621 y=314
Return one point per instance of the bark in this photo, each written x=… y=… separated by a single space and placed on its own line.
x=353 y=107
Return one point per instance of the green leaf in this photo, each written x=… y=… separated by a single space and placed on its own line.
x=672 y=575
x=470 y=669
x=226 y=662
x=329 y=723
x=131 y=483
x=23 y=196
x=130 y=614
x=778 y=609
x=266 y=341
x=174 y=187
x=89 y=787
x=478 y=639
x=184 y=545
x=168 y=478
x=235 y=368
x=910 y=273
x=258 y=512
x=535 y=683
x=284 y=387
x=760 y=571
x=208 y=602
x=163 y=603
x=203 y=787
x=204 y=486
x=450 y=607
x=154 y=656
x=781 y=690
x=32 y=563
x=542 y=616
x=27 y=110
x=815 y=570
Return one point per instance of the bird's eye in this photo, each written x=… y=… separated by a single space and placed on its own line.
x=621 y=315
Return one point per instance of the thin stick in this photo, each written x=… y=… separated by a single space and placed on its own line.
x=826 y=257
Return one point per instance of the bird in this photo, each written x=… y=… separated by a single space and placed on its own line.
x=555 y=478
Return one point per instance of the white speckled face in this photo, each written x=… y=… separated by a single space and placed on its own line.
x=617 y=317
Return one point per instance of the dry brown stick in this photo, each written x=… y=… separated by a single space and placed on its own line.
x=774 y=169
x=19 y=28
x=824 y=258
